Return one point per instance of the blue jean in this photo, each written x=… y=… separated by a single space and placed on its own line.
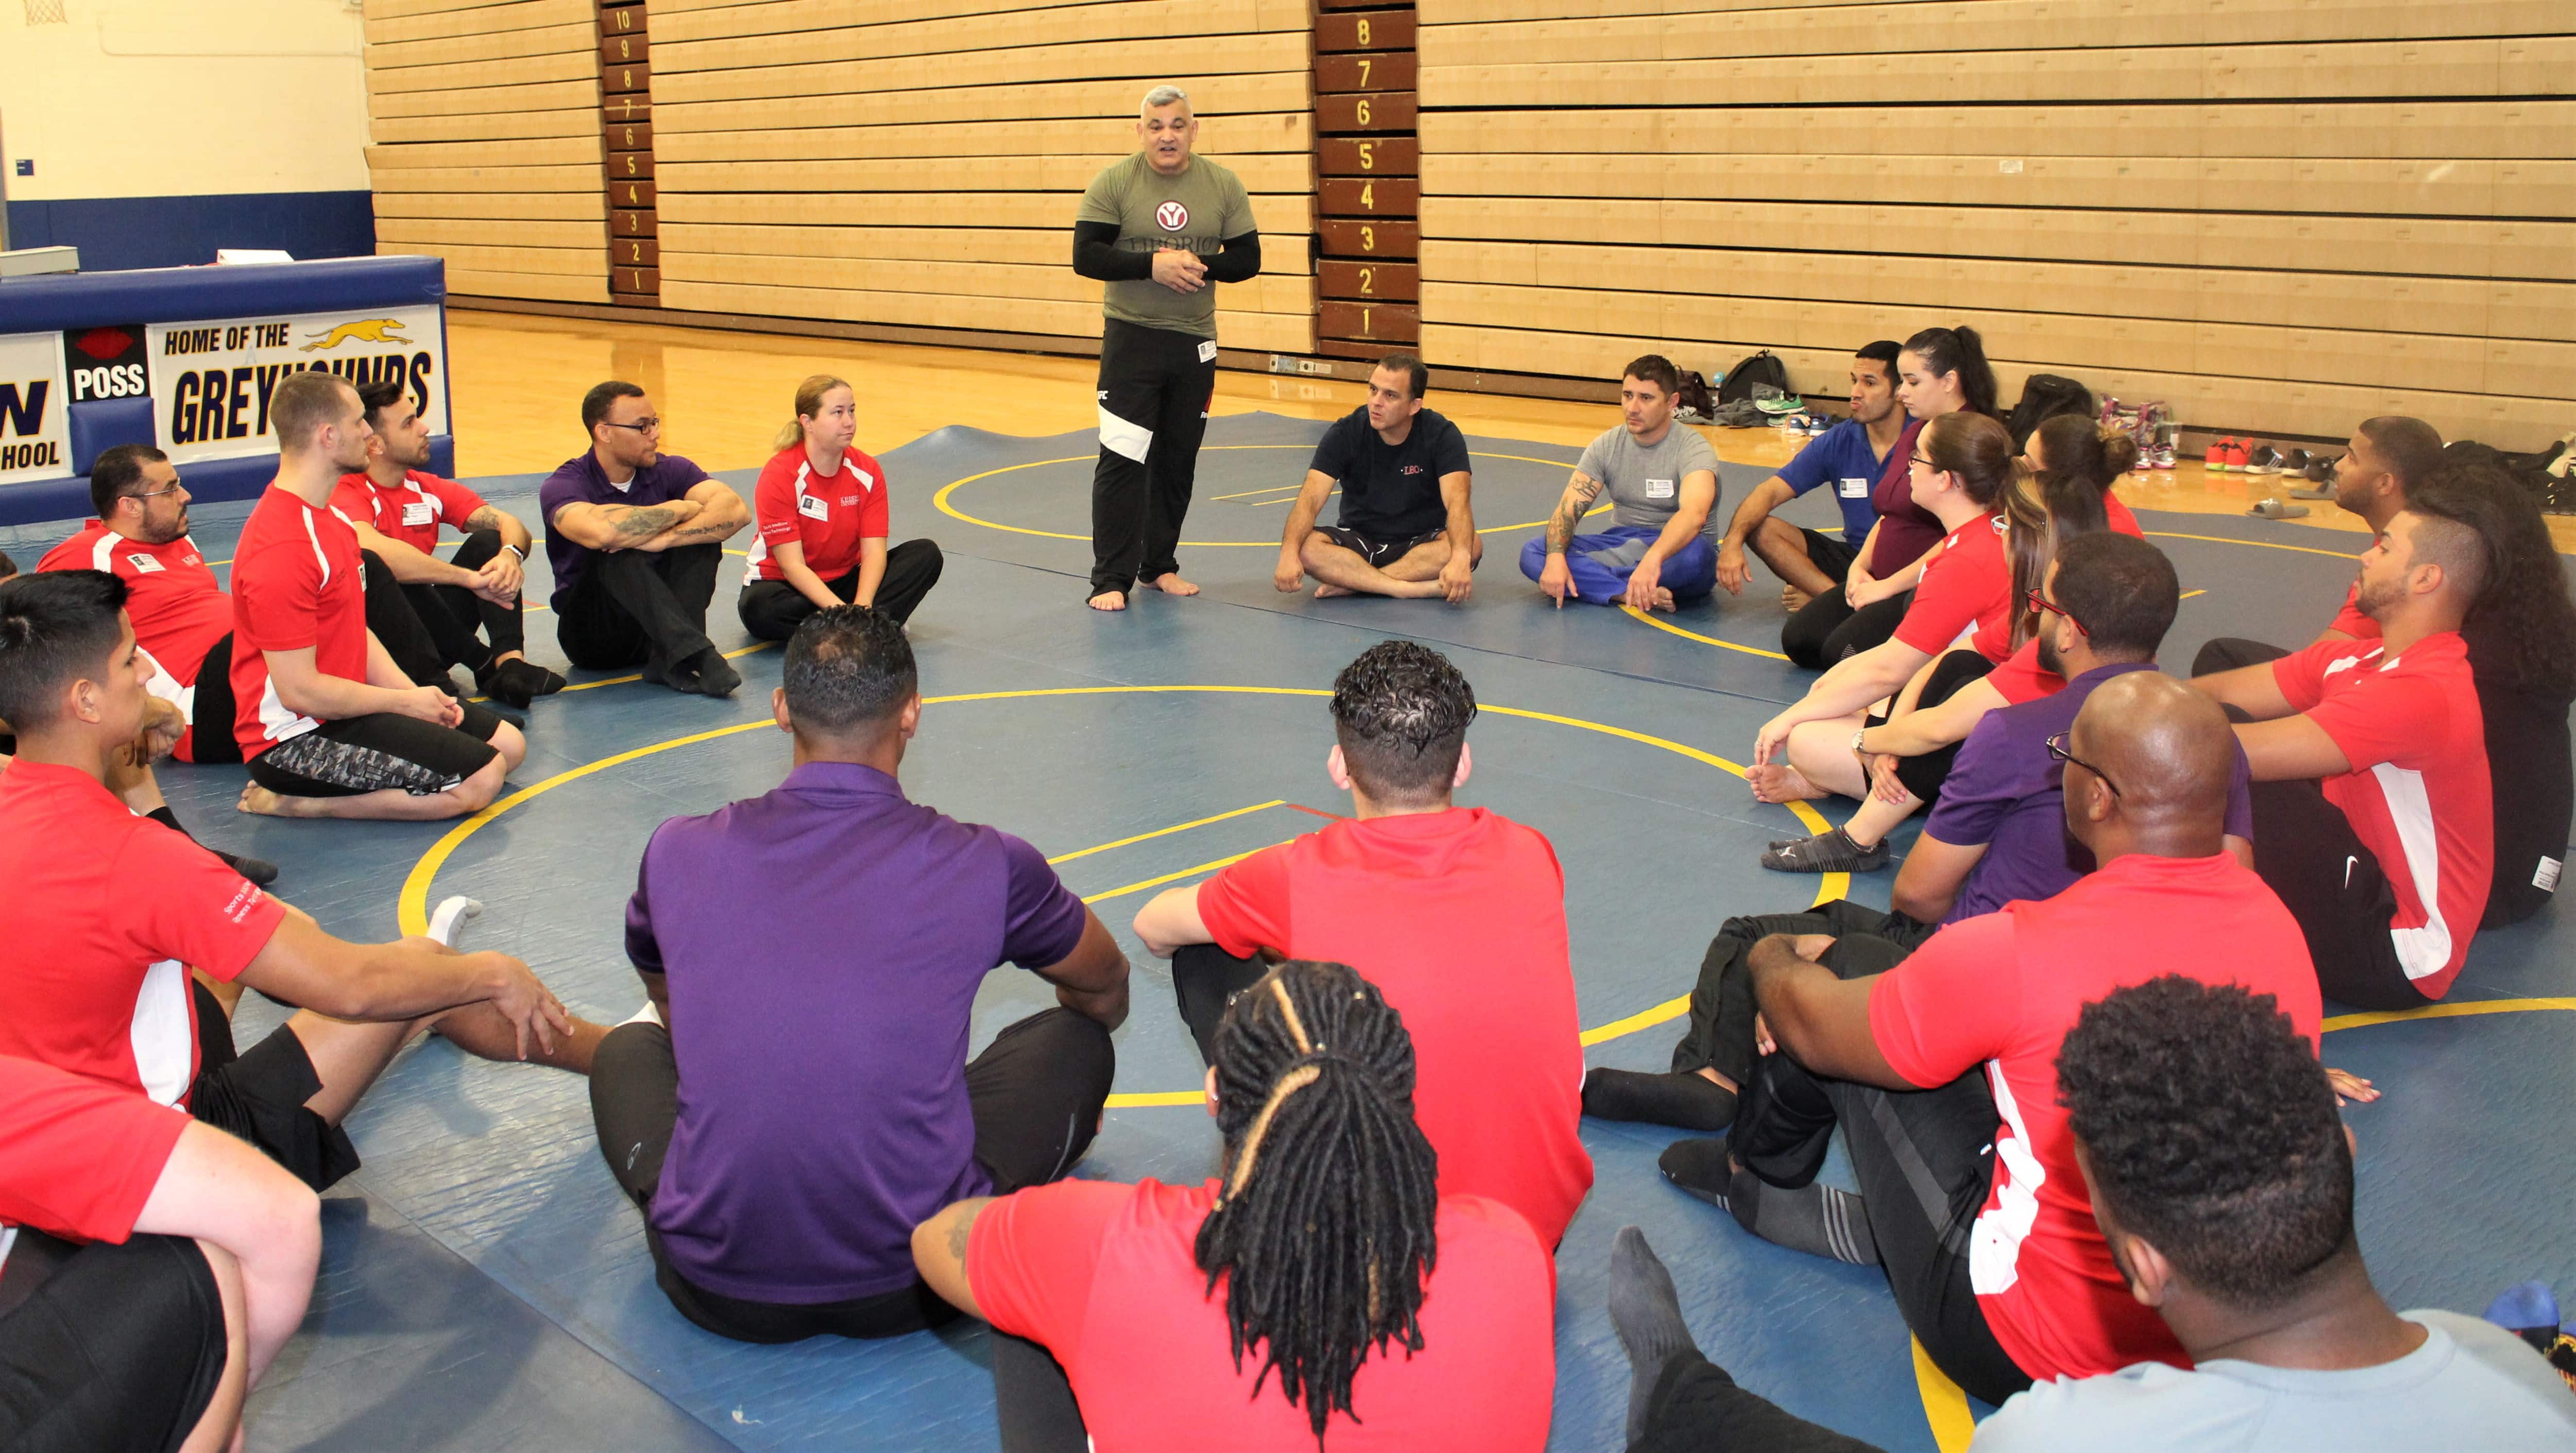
x=1689 y=572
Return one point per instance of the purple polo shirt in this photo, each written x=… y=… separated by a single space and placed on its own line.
x=823 y=945
x=580 y=480
x=2006 y=793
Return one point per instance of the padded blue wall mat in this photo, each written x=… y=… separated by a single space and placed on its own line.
x=486 y=1285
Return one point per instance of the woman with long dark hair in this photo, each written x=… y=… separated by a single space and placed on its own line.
x=1319 y=1293
x=1940 y=371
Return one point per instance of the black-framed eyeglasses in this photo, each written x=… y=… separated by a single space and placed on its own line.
x=2033 y=600
x=173 y=488
x=640 y=426
x=2057 y=749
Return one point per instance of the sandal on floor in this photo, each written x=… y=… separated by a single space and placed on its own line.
x=2273 y=509
x=1828 y=852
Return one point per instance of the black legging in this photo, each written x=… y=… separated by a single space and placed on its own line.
x=1825 y=630
x=1923 y=775
x=773 y=609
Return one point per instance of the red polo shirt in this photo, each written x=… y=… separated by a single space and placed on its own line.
x=1459 y=918
x=2000 y=991
x=1965 y=597
x=296 y=583
x=78 y=1159
x=1106 y=1277
x=97 y=983
x=411 y=512
x=827 y=514
x=179 y=610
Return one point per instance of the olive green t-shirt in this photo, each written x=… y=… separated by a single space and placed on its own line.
x=1197 y=210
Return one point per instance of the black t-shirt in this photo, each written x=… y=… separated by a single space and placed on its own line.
x=1391 y=492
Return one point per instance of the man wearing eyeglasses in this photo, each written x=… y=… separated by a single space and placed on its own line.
x=634 y=536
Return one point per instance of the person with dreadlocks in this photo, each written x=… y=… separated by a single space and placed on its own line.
x=1320 y=1293
x=1457 y=912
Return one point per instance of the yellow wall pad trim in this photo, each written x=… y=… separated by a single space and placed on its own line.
x=940 y=500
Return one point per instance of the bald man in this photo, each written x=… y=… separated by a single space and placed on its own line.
x=1939 y=1066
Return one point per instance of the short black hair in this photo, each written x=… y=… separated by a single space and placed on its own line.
x=116 y=472
x=378 y=395
x=56 y=626
x=594 y=404
x=2212 y=1134
x=8 y=567
x=2121 y=590
x=1400 y=712
x=1417 y=374
x=849 y=669
x=1883 y=353
x=1655 y=369
x=2408 y=446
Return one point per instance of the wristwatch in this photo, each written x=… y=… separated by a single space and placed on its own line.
x=515 y=550
x=1857 y=749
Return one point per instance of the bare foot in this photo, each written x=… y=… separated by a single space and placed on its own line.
x=1793 y=600
x=1170 y=583
x=1778 y=783
x=1327 y=592
x=1109 y=600
x=259 y=800
x=1663 y=600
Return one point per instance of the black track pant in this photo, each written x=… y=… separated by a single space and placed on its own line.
x=1924 y=1158
x=394 y=620
x=1825 y=630
x=1205 y=979
x=1037 y=1092
x=212 y=713
x=107 y=1347
x=1697 y=1408
x=773 y=609
x=466 y=629
x=1155 y=387
x=639 y=607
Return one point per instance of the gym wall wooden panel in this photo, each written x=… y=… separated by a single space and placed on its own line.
x=2279 y=215
x=486 y=151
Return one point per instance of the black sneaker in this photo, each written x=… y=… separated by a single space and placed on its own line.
x=261 y=872
x=1828 y=852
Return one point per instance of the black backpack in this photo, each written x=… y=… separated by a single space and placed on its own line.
x=1694 y=399
x=1738 y=382
x=2044 y=396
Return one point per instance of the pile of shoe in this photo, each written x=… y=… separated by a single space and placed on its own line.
x=2149 y=425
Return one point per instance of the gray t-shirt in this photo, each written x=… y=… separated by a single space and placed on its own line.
x=1645 y=484
x=1197 y=210
x=2470 y=1388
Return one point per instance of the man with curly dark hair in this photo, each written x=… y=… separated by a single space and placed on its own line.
x=2222 y=1181
x=1457 y=913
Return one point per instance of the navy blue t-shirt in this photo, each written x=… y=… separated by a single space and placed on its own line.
x=1841 y=457
x=1391 y=491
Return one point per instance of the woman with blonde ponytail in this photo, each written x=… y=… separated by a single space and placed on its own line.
x=823 y=524
x=1319 y=1293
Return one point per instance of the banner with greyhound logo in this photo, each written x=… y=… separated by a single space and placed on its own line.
x=35 y=439
x=211 y=381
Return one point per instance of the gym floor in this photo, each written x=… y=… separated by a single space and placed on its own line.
x=485 y=1285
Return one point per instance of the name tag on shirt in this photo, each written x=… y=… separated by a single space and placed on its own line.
x=416 y=512
x=1207 y=352
x=1854 y=488
x=813 y=508
x=1659 y=489
x=143 y=564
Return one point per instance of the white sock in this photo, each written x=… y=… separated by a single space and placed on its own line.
x=646 y=1015
x=448 y=920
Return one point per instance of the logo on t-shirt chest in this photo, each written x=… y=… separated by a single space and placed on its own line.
x=1171 y=216
x=1410 y=469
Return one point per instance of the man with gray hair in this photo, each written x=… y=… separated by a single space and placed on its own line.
x=1159 y=228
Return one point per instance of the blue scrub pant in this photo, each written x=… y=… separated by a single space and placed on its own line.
x=1689 y=573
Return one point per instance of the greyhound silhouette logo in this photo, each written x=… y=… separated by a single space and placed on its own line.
x=365 y=330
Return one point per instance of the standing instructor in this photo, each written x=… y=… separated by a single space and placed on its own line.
x=1159 y=228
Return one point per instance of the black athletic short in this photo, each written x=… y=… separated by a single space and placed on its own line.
x=259 y=1097
x=374 y=753
x=1830 y=554
x=1378 y=553
x=107 y=1347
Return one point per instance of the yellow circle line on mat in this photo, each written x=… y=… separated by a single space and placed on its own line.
x=412 y=908
x=1649 y=619
x=940 y=502
x=2257 y=544
x=1945 y=1407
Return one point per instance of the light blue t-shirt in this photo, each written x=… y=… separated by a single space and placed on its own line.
x=2471 y=1388
x=1841 y=459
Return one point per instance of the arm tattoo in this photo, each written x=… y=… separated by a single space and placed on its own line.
x=960 y=1231
x=644 y=522
x=1560 y=526
x=715 y=530
x=486 y=518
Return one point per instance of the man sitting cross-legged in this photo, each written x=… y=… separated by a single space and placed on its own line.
x=1969 y=1194
x=1457 y=913
x=1323 y=1289
x=1661 y=476
x=2373 y=809
x=799 y=1097
x=99 y=983
x=1405 y=528
x=1850 y=456
x=2222 y=1182
x=150 y=1268
x=330 y=725
x=634 y=536
x=469 y=605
